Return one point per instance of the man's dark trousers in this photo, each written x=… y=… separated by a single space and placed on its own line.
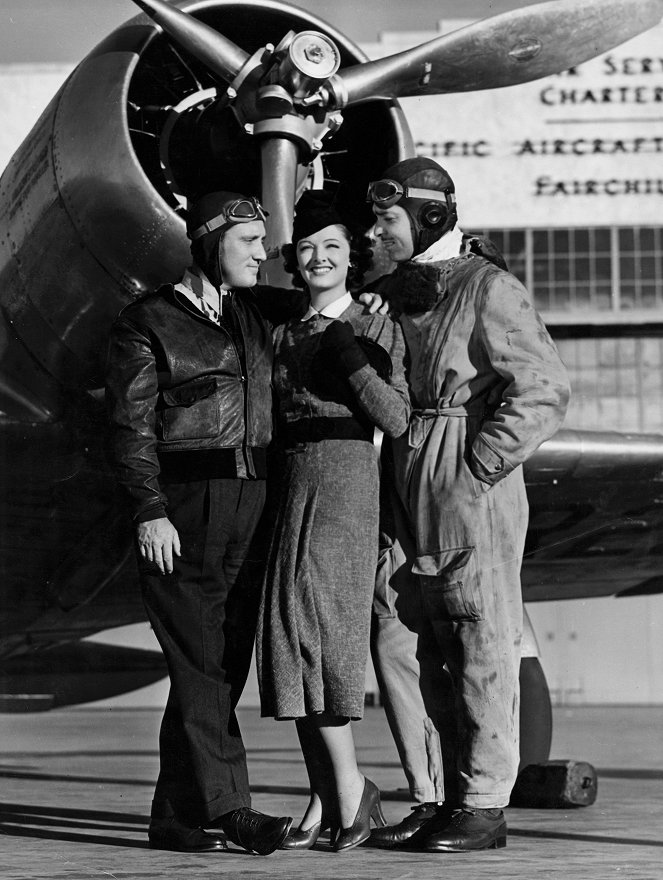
x=204 y=616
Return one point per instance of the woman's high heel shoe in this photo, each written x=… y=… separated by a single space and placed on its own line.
x=360 y=830
x=299 y=839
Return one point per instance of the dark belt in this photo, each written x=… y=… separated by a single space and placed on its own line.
x=458 y=412
x=323 y=428
x=195 y=465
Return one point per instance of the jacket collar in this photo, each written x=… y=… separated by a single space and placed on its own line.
x=445 y=248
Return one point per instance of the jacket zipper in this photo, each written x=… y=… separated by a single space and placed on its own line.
x=248 y=464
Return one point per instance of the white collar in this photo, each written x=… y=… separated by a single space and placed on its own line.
x=444 y=248
x=197 y=288
x=334 y=310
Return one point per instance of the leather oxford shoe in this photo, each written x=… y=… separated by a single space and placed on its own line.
x=396 y=835
x=173 y=835
x=255 y=831
x=468 y=829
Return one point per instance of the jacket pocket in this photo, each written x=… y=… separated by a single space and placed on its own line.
x=191 y=411
x=391 y=564
x=488 y=466
x=450 y=583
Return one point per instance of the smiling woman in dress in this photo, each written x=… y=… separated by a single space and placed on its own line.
x=338 y=374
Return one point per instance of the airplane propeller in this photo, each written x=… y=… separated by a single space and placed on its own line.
x=220 y=55
x=290 y=95
x=504 y=50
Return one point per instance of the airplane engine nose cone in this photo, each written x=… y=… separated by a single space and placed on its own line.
x=526 y=49
x=314 y=55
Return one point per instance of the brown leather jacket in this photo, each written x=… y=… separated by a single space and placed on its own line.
x=186 y=394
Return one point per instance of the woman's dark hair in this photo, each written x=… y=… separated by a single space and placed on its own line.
x=361 y=259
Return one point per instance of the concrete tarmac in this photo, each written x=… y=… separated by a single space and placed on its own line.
x=77 y=785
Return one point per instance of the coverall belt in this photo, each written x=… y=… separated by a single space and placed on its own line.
x=459 y=412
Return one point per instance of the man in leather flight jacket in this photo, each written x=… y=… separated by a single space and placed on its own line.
x=189 y=402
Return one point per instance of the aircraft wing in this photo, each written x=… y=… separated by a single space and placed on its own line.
x=596 y=516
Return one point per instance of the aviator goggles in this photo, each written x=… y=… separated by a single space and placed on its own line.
x=238 y=211
x=385 y=193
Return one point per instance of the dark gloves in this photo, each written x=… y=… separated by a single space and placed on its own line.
x=339 y=343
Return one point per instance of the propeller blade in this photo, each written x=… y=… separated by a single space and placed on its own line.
x=279 y=183
x=511 y=48
x=220 y=55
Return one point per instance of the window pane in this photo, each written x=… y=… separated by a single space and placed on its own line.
x=499 y=239
x=582 y=296
x=562 y=269
x=626 y=239
x=647 y=239
x=562 y=298
x=561 y=240
x=582 y=269
x=581 y=240
x=627 y=296
x=602 y=300
x=517 y=241
x=603 y=268
x=603 y=297
x=648 y=268
x=602 y=240
x=648 y=296
x=627 y=268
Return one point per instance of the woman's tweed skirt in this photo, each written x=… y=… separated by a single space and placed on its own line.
x=313 y=630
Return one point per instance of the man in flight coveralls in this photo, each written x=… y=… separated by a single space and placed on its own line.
x=488 y=387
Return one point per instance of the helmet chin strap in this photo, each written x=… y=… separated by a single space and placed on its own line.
x=218 y=267
x=209 y=246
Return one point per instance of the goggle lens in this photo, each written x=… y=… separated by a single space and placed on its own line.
x=384 y=193
x=245 y=210
x=239 y=211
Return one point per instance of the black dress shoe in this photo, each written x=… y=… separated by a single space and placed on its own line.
x=173 y=835
x=255 y=831
x=468 y=829
x=395 y=835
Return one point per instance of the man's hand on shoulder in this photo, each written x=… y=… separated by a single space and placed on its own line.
x=158 y=541
x=374 y=303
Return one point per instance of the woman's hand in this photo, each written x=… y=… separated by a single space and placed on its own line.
x=338 y=335
x=158 y=541
x=338 y=340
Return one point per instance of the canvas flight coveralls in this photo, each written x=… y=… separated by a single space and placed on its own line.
x=488 y=387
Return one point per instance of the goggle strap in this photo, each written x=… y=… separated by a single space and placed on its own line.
x=210 y=226
x=226 y=216
x=412 y=192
